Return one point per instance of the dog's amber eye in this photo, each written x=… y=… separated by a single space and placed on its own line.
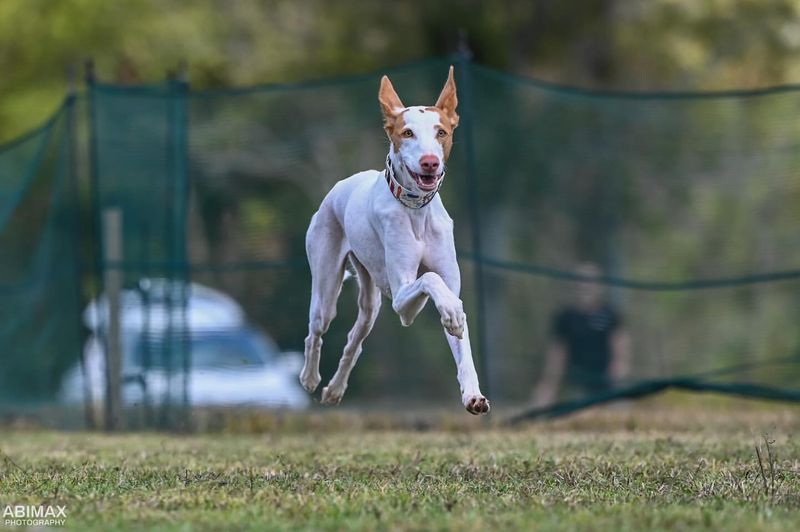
x=407 y=133
x=441 y=133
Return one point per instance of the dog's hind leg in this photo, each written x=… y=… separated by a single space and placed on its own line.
x=369 y=304
x=326 y=256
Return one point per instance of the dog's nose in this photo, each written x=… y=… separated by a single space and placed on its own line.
x=429 y=163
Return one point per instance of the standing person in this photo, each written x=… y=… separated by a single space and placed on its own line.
x=589 y=350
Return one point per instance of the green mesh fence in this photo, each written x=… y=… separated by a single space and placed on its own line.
x=686 y=204
x=39 y=263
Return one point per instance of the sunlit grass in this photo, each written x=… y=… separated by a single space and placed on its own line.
x=604 y=470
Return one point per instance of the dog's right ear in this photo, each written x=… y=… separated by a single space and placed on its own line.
x=391 y=106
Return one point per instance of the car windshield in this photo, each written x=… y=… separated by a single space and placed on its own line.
x=230 y=349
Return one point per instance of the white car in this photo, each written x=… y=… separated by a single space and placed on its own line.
x=229 y=362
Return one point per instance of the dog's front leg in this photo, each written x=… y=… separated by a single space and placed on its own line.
x=409 y=301
x=410 y=298
x=471 y=395
x=445 y=264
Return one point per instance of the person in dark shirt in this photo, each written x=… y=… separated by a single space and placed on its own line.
x=589 y=349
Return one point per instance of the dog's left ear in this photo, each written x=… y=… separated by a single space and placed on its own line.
x=448 y=100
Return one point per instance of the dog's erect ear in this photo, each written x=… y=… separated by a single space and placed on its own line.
x=391 y=106
x=448 y=101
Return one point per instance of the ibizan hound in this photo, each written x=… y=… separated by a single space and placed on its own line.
x=392 y=227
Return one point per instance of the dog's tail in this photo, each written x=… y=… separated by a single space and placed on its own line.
x=349 y=270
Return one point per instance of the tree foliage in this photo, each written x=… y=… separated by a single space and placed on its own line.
x=609 y=43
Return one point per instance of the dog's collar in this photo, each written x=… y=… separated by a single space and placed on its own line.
x=408 y=197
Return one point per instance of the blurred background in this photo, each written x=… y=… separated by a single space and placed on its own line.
x=624 y=183
x=613 y=44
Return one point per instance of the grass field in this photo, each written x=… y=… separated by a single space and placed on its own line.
x=650 y=467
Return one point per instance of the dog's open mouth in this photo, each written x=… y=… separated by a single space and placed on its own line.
x=426 y=182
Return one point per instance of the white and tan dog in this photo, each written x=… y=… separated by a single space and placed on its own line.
x=392 y=227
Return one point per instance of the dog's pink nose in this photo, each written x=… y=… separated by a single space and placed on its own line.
x=429 y=163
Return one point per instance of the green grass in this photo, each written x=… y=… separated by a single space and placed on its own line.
x=604 y=470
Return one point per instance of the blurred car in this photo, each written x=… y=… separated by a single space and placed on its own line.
x=207 y=341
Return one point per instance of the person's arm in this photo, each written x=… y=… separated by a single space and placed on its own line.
x=620 y=356
x=547 y=388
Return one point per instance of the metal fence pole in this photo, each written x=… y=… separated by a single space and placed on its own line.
x=112 y=279
x=77 y=233
x=180 y=140
x=95 y=286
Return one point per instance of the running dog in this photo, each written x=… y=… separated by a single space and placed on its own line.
x=393 y=229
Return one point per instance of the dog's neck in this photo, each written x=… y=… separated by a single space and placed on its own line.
x=395 y=174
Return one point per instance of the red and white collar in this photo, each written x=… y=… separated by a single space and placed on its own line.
x=406 y=196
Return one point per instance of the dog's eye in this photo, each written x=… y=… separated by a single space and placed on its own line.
x=441 y=133
x=407 y=133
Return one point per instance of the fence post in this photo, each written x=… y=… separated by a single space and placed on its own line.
x=180 y=141
x=112 y=279
x=98 y=263
x=72 y=140
x=465 y=89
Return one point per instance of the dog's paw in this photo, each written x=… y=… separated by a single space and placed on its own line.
x=310 y=379
x=453 y=318
x=332 y=395
x=477 y=404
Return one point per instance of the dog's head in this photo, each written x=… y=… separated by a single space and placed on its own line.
x=421 y=136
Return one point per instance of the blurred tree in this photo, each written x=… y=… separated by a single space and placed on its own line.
x=599 y=43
